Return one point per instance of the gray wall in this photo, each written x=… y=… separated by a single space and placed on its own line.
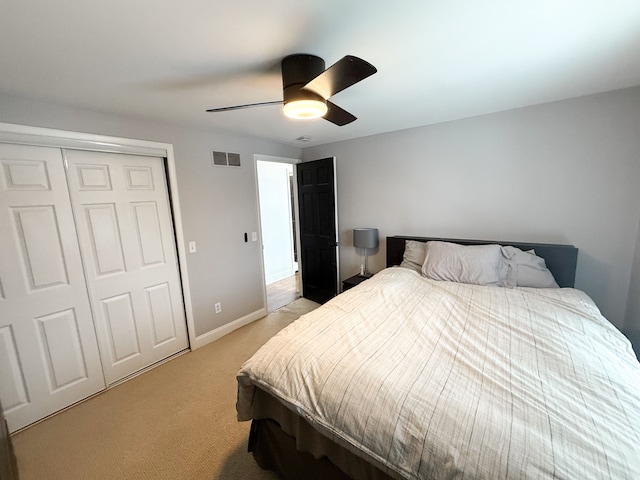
x=632 y=319
x=563 y=172
x=218 y=204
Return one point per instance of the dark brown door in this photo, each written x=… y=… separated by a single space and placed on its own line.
x=318 y=229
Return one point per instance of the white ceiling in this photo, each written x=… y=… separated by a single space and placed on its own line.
x=437 y=60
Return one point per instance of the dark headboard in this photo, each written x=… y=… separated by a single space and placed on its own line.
x=560 y=259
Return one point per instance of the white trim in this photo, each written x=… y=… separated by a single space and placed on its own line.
x=296 y=214
x=335 y=199
x=227 y=328
x=271 y=158
x=262 y=270
x=281 y=275
x=47 y=137
x=180 y=244
x=27 y=135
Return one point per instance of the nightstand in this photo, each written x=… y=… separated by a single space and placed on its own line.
x=353 y=281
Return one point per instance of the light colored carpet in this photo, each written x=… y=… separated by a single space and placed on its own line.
x=176 y=421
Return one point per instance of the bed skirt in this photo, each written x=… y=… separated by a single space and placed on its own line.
x=287 y=444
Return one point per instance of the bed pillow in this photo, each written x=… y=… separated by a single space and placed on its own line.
x=474 y=264
x=414 y=253
x=525 y=269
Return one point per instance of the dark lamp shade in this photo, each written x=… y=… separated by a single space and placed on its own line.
x=365 y=237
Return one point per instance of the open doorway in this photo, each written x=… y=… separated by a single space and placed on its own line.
x=276 y=198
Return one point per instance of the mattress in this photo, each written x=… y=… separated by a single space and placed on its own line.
x=435 y=379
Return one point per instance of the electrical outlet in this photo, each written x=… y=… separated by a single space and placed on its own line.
x=218 y=307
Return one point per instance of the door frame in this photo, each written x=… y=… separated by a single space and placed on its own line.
x=47 y=137
x=292 y=161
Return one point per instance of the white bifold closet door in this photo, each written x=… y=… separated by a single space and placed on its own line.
x=123 y=219
x=48 y=350
x=89 y=283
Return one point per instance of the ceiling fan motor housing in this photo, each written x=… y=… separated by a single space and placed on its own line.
x=297 y=71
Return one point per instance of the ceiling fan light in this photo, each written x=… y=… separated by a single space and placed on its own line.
x=305 y=109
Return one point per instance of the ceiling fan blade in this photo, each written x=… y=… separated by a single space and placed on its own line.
x=342 y=74
x=337 y=115
x=240 y=107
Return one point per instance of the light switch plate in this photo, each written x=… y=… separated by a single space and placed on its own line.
x=254 y=236
x=192 y=247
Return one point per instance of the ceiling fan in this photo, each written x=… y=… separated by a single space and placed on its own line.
x=307 y=87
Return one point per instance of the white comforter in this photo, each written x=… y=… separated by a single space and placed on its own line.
x=444 y=380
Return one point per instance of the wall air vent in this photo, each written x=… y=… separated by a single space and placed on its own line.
x=224 y=159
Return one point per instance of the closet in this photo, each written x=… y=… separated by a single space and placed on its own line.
x=90 y=289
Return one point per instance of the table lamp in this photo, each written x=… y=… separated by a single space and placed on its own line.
x=365 y=238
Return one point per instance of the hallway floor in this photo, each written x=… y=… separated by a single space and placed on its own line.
x=283 y=292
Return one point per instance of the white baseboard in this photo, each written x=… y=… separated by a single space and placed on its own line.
x=276 y=277
x=206 y=338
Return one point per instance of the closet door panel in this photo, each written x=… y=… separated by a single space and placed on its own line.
x=62 y=347
x=105 y=241
x=126 y=237
x=161 y=310
x=49 y=356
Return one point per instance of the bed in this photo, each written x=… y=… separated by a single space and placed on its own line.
x=409 y=377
